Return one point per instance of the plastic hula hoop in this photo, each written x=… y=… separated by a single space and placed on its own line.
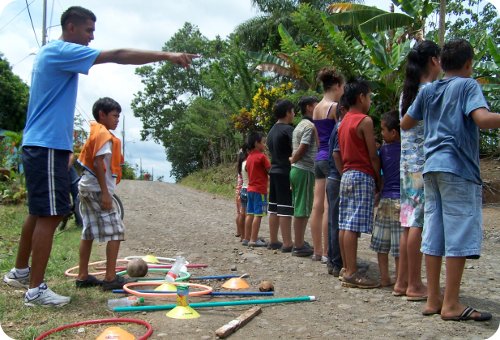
x=166 y=260
x=183 y=276
x=126 y=288
x=69 y=273
x=93 y=322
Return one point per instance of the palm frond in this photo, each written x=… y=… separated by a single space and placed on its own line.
x=339 y=7
x=356 y=17
x=387 y=21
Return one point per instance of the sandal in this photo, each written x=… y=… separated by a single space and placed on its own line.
x=467 y=315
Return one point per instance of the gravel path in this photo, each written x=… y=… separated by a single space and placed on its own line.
x=168 y=220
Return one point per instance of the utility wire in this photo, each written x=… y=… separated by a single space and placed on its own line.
x=32 y=26
x=15 y=16
x=50 y=21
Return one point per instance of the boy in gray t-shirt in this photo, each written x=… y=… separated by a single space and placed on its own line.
x=305 y=145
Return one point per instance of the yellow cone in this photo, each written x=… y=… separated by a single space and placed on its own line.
x=115 y=333
x=166 y=287
x=183 y=312
x=150 y=259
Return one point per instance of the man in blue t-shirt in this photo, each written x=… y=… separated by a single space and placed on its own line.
x=453 y=110
x=48 y=141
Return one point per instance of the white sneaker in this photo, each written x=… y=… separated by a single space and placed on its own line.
x=16 y=280
x=46 y=298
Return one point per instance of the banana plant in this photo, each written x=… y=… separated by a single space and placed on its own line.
x=371 y=19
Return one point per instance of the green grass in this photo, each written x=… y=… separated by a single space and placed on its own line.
x=220 y=180
x=20 y=322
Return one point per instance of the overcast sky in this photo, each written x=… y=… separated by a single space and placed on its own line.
x=146 y=24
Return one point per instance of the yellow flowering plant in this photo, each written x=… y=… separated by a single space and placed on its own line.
x=260 y=115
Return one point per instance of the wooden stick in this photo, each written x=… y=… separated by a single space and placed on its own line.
x=233 y=325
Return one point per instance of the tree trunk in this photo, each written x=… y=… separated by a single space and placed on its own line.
x=442 y=21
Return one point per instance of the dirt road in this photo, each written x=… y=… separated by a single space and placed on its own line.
x=168 y=220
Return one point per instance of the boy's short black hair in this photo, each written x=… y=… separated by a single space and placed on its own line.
x=305 y=101
x=76 y=15
x=281 y=107
x=391 y=120
x=455 y=54
x=105 y=105
x=354 y=88
x=254 y=137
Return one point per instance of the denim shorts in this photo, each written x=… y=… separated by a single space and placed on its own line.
x=453 y=217
x=321 y=169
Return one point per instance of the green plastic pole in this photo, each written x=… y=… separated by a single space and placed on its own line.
x=216 y=304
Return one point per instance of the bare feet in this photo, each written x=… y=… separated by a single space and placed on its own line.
x=399 y=290
x=418 y=292
x=387 y=283
x=432 y=308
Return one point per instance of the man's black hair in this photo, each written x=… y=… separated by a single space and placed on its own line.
x=105 y=105
x=281 y=108
x=76 y=15
x=305 y=101
x=354 y=88
x=455 y=54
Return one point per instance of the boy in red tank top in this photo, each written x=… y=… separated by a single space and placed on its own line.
x=360 y=179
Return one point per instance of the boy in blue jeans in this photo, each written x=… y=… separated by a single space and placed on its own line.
x=387 y=228
x=334 y=264
x=453 y=110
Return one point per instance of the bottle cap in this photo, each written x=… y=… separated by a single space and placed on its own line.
x=140 y=300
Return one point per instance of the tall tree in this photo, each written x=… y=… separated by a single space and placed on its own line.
x=14 y=94
x=188 y=111
x=260 y=34
x=442 y=21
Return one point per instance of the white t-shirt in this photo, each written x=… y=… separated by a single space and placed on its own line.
x=89 y=182
x=244 y=174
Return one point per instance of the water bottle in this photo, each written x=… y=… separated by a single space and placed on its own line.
x=127 y=301
x=176 y=269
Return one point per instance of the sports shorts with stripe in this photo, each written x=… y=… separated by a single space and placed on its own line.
x=103 y=225
x=47 y=180
x=280 y=195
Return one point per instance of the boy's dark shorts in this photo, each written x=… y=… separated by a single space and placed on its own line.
x=280 y=195
x=47 y=180
x=321 y=169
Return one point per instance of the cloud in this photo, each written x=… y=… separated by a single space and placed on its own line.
x=120 y=23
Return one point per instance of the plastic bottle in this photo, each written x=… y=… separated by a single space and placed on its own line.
x=176 y=269
x=125 y=302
